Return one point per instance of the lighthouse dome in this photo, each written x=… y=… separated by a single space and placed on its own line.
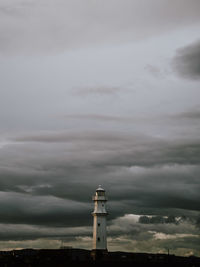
x=100 y=189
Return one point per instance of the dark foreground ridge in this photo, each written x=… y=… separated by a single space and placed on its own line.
x=81 y=257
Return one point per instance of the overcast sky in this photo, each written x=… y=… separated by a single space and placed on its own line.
x=100 y=92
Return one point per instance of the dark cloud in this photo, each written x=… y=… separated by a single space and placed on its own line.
x=165 y=219
x=71 y=136
x=157 y=219
x=198 y=222
x=19 y=208
x=32 y=232
x=65 y=168
x=187 y=61
x=191 y=114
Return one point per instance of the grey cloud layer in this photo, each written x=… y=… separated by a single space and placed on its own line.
x=137 y=172
x=100 y=108
x=39 y=26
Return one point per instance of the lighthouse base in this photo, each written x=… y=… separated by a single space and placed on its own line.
x=99 y=254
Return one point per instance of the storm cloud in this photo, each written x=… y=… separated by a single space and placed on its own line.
x=68 y=166
x=187 y=61
x=93 y=93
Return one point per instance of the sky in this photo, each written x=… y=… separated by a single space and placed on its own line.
x=100 y=92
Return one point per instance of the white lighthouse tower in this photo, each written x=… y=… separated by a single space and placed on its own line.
x=99 y=226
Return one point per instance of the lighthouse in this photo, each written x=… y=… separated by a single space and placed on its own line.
x=99 y=221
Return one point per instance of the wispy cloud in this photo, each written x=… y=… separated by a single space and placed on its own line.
x=101 y=90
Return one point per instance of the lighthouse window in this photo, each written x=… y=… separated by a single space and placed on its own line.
x=98 y=238
x=98 y=224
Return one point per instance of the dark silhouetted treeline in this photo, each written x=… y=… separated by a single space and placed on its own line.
x=80 y=257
